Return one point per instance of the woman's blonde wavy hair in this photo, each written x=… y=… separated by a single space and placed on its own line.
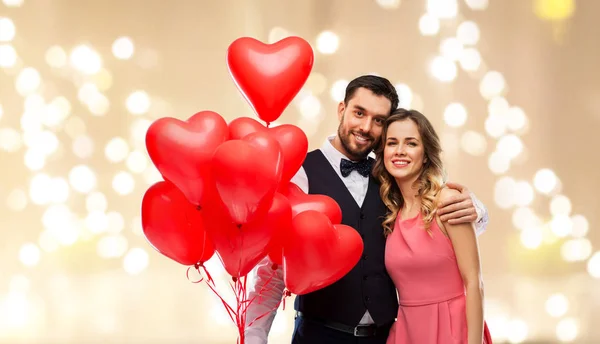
x=430 y=182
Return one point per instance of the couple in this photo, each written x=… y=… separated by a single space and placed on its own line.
x=420 y=263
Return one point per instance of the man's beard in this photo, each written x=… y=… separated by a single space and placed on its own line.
x=354 y=153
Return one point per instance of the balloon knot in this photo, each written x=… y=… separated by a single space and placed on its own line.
x=274 y=266
x=287 y=293
x=239 y=226
x=198 y=265
x=198 y=207
x=234 y=279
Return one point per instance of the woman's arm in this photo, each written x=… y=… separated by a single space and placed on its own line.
x=464 y=241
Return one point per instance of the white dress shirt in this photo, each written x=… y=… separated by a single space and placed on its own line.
x=271 y=282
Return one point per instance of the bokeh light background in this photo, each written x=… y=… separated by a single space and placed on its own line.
x=511 y=85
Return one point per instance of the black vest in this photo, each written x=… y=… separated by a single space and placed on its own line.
x=367 y=285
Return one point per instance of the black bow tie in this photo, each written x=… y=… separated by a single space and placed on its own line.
x=363 y=167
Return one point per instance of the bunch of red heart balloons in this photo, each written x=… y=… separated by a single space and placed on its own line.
x=227 y=187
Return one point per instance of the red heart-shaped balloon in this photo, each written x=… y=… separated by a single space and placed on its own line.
x=292 y=140
x=317 y=253
x=269 y=75
x=302 y=202
x=182 y=151
x=240 y=248
x=173 y=226
x=247 y=173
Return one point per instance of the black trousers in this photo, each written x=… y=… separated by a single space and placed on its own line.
x=310 y=332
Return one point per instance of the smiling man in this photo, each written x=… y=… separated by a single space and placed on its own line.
x=362 y=306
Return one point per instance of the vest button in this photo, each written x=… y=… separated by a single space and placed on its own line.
x=362 y=215
x=367 y=299
x=365 y=277
x=365 y=257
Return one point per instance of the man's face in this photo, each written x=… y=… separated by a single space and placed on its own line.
x=361 y=123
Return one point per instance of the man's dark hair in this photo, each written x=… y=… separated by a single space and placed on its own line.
x=376 y=84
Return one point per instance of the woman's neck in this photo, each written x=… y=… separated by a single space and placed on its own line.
x=410 y=195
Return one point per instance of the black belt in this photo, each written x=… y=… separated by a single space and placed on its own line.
x=357 y=331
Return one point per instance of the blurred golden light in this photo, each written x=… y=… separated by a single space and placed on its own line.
x=495 y=125
x=29 y=254
x=524 y=193
x=96 y=201
x=19 y=283
x=96 y=222
x=545 y=181
x=492 y=84
x=455 y=115
x=593 y=265
x=59 y=190
x=123 y=183
x=135 y=261
x=103 y=80
x=56 y=111
x=138 y=103
x=28 y=81
x=16 y=200
x=557 y=305
x=113 y=246
x=137 y=161
x=498 y=163
x=7 y=29
x=567 y=330
x=82 y=178
x=116 y=222
x=388 y=4
x=99 y=104
x=1 y=111
x=34 y=159
x=554 y=9
x=13 y=3
x=443 y=69
x=560 y=205
x=516 y=119
x=48 y=241
x=405 y=95
x=316 y=83
x=580 y=226
x=85 y=59
x=473 y=143
x=532 y=237
x=561 y=225
x=443 y=9
x=517 y=331
x=74 y=127
x=470 y=59
x=310 y=107
x=136 y=225
x=87 y=92
x=504 y=192
x=451 y=48
x=327 y=42
x=151 y=174
x=309 y=126
x=56 y=57
x=467 y=33
x=116 y=149
x=524 y=217
x=417 y=103
x=10 y=140
x=39 y=188
x=338 y=90
x=576 y=250
x=429 y=25
x=276 y=34
x=477 y=5
x=8 y=56
x=83 y=146
x=123 y=48
x=509 y=145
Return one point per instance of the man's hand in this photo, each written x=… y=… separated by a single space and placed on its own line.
x=459 y=208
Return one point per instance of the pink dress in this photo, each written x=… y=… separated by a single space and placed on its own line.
x=430 y=287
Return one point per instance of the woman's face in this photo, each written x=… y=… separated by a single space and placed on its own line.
x=404 y=153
